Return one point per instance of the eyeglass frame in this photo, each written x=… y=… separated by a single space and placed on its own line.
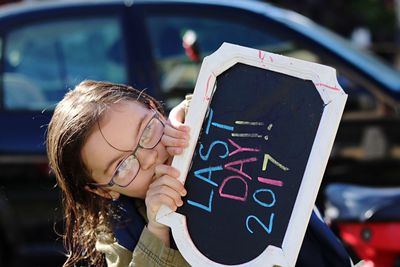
x=111 y=182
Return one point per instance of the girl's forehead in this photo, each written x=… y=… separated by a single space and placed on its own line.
x=120 y=120
x=123 y=108
x=119 y=126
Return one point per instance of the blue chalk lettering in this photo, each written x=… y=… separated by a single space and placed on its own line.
x=219 y=125
x=209 y=170
x=210 y=115
x=263 y=203
x=205 y=157
x=201 y=206
x=267 y=229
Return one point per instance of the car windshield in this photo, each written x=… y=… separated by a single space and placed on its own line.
x=371 y=64
x=367 y=62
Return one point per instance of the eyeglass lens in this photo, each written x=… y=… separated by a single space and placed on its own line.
x=129 y=167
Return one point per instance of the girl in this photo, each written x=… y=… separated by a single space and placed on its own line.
x=110 y=148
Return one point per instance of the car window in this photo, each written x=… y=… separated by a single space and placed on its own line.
x=43 y=60
x=178 y=72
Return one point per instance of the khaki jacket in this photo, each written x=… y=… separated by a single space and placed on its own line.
x=150 y=251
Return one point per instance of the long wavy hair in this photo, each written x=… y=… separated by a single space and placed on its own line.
x=73 y=120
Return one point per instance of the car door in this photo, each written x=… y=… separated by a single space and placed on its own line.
x=46 y=50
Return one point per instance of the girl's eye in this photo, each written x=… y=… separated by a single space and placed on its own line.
x=125 y=166
x=147 y=133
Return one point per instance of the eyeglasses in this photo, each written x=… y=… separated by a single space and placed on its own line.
x=129 y=167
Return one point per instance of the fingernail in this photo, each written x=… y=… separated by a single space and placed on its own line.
x=183 y=193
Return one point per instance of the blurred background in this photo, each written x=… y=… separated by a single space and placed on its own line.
x=47 y=47
x=371 y=24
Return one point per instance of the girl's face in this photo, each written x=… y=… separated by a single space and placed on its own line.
x=121 y=128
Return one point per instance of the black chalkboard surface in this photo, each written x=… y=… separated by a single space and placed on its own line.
x=236 y=206
x=254 y=170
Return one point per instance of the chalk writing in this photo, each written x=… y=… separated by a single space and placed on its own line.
x=258 y=123
x=216 y=124
x=327 y=86
x=270 y=181
x=268 y=158
x=241 y=149
x=261 y=54
x=267 y=229
x=246 y=135
x=201 y=206
x=207 y=155
x=240 y=178
x=239 y=162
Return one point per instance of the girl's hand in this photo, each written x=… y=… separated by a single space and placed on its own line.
x=178 y=113
x=176 y=134
x=165 y=190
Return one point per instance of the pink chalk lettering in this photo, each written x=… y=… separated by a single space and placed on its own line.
x=241 y=149
x=241 y=163
x=226 y=195
x=270 y=181
x=261 y=55
x=327 y=86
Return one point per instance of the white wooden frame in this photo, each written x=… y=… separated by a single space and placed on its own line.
x=333 y=96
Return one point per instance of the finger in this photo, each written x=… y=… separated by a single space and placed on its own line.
x=167 y=191
x=169 y=141
x=162 y=196
x=176 y=121
x=174 y=151
x=177 y=115
x=173 y=183
x=154 y=202
x=164 y=169
x=181 y=132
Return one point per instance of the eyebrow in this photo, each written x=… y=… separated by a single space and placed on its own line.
x=112 y=161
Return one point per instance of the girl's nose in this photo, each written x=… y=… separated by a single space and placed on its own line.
x=146 y=157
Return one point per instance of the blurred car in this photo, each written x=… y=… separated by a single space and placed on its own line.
x=48 y=47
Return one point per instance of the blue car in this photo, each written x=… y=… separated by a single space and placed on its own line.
x=48 y=47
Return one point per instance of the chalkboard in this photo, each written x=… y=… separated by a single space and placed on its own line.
x=262 y=130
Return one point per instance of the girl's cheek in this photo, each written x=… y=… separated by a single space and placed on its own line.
x=138 y=188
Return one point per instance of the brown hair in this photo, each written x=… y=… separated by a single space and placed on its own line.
x=72 y=122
